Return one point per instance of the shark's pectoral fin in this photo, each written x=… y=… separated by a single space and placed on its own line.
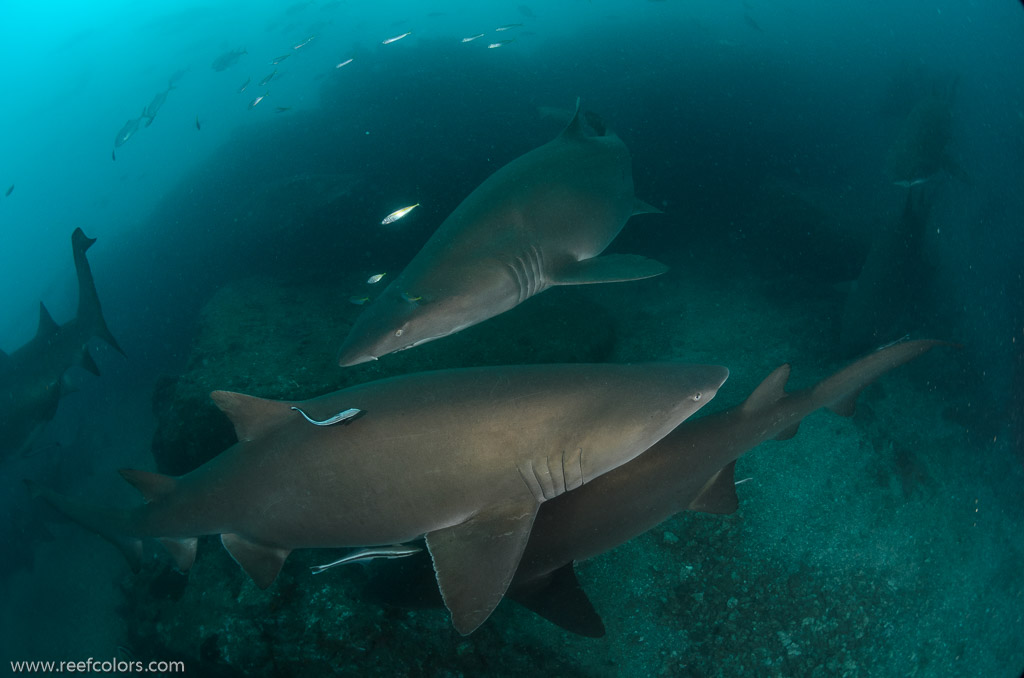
x=261 y=562
x=719 y=494
x=561 y=600
x=609 y=268
x=640 y=207
x=474 y=561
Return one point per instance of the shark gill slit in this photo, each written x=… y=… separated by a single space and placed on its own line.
x=526 y=269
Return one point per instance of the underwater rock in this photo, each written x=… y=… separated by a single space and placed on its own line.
x=262 y=337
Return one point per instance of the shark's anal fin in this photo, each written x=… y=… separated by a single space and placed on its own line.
x=251 y=416
x=152 y=486
x=474 y=561
x=608 y=268
x=561 y=600
x=719 y=494
x=261 y=562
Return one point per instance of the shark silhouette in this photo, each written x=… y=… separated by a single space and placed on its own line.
x=31 y=378
x=539 y=221
x=691 y=469
x=464 y=457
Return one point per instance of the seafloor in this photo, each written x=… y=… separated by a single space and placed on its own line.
x=871 y=546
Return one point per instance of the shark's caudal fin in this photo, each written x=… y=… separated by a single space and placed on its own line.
x=90 y=315
x=111 y=524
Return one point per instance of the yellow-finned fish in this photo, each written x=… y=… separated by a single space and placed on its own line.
x=267 y=79
x=374 y=279
x=398 y=214
x=396 y=38
x=358 y=299
x=410 y=298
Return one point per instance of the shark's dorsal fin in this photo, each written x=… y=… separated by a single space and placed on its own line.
x=252 y=416
x=718 y=494
x=152 y=486
x=574 y=130
x=474 y=561
x=562 y=601
x=771 y=390
x=47 y=326
x=261 y=562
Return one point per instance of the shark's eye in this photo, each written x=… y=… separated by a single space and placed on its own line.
x=696 y=396
x=399 y=332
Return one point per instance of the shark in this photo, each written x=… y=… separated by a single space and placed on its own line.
x=890 y=295
x=690 y=469
x=464 y=457
x=32 y=377
x=539 y=221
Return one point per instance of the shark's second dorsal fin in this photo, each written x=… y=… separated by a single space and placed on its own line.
x=574 y=130
x=251 y=416
x=719 y=494
x=771 y=390
x=152 y=486
x=47 y=326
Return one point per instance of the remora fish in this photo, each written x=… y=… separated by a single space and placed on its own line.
x=690 y=469
x=464 y=457
x=228 y=59
x=539 y=221
x=31 y=377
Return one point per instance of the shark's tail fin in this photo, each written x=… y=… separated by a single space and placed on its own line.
x=111 y=524
x=90 y=315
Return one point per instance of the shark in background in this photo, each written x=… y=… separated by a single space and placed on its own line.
x=464 y=457
x=32 y=377
x=690 y=469
x=539 y=221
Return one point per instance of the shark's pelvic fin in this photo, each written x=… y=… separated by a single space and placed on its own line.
x=259 y=561
x=640 y=207
x=719 y=493
x=474 y=561
x=252 y=416
x=608 y=268
x=152 y=486
x=561 y=600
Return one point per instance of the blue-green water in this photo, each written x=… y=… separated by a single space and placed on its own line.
x=772 y=136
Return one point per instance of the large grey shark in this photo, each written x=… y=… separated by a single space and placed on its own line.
x=888 y=298
x=539 y=221
x=31 y=378
x=464 y=457
x=691 y=469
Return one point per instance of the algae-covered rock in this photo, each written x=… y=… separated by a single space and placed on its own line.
x=273 y=340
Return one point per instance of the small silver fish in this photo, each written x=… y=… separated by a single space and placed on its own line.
x=346 y=62
x=268 y=78
x=329 y=421
x=500 y=43
x=374 y=279
x=257 y=100
x=396 y=38
x=472 y=38
x=398 y=214
x=410 y=298
x=304 y=42
x=908 y=184
x=280 y=59
x=507 y=27
x=394 y=551
x=245 y=84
